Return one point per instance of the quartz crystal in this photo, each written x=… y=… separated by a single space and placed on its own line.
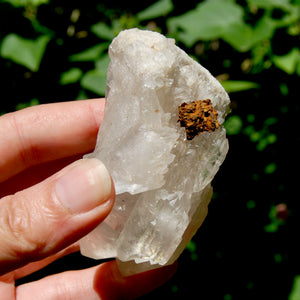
x=162 y=179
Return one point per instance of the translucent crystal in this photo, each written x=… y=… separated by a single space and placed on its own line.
x=162 y=180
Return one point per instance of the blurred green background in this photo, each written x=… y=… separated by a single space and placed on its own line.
x=248 y=247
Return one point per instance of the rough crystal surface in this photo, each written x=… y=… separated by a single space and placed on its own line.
x=162 y=179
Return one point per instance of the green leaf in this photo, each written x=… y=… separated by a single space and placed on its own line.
x=249 y=130
x=20 y=3
x=103 y=31
x=95 y=80
x=233 y=125
x=239 y=37
x=270 y=168
x=102 y=63
x=272 y=227
x=251 y=204
x=90 y=54
x=271 y=138
x=158 y=9
x=250 y=118
x=214 y=19
x=295 y=292
x=237 y=86
x=291 y=17
x=242 y=37
x=255 y=136
x=208 y=21
x=28 y=53
x=290 y=9
x=275 y=222
x=290 y=62
x=270 y=4
x=270 y=121
x=284 y=89
x=191 y=246
x=71 y=76
x=263 y=143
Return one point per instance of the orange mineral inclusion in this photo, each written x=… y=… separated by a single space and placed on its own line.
x=197 y=117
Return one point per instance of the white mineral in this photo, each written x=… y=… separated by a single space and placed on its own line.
x=162 y=179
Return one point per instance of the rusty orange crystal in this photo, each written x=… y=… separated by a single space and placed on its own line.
x=197 y=117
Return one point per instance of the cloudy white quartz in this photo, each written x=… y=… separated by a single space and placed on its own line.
x=162 y=180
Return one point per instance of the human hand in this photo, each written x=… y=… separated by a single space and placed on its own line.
x=50 y=199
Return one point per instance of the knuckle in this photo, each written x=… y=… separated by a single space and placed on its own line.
x=27 y=152
x=18 y=228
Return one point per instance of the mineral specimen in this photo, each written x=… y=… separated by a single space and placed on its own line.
x=161 y=171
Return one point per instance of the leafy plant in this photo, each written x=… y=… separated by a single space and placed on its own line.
x=158 y=9
x=28 y=53
x=95 y=80
x=20 y=3
x=289 y=63
x=295 y=293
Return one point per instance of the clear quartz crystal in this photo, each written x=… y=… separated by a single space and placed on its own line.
x=162 y=180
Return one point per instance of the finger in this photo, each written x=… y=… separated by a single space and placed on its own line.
x=38 y=265
x=102 y=282
x=53 y=214
x=47 y=132
x=34 y=175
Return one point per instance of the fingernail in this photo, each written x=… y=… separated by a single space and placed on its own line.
x=85 y=186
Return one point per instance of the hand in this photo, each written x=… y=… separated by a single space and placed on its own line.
x=50 y=199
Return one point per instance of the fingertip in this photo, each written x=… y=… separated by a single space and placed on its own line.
x=85 y=186
x=110 y=284
x=103 y=282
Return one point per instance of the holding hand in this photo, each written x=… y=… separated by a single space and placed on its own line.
x=50 y=200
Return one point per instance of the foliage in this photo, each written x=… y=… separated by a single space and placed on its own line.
x=18 y=3
x=25 y=52
x=57 y=50
x=295 y=294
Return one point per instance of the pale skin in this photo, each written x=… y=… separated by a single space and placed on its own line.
x=38 y=147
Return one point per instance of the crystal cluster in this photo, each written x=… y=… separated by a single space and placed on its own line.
x=162 y=179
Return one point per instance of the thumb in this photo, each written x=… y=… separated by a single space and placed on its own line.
x=53 y=214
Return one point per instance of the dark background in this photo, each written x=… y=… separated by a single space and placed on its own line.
x=248 y=246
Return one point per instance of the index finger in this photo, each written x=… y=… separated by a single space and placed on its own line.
x=47 y=132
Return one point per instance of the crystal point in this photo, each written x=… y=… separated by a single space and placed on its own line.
x=162 y=178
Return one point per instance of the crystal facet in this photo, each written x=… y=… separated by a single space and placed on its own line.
x=162 y=179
